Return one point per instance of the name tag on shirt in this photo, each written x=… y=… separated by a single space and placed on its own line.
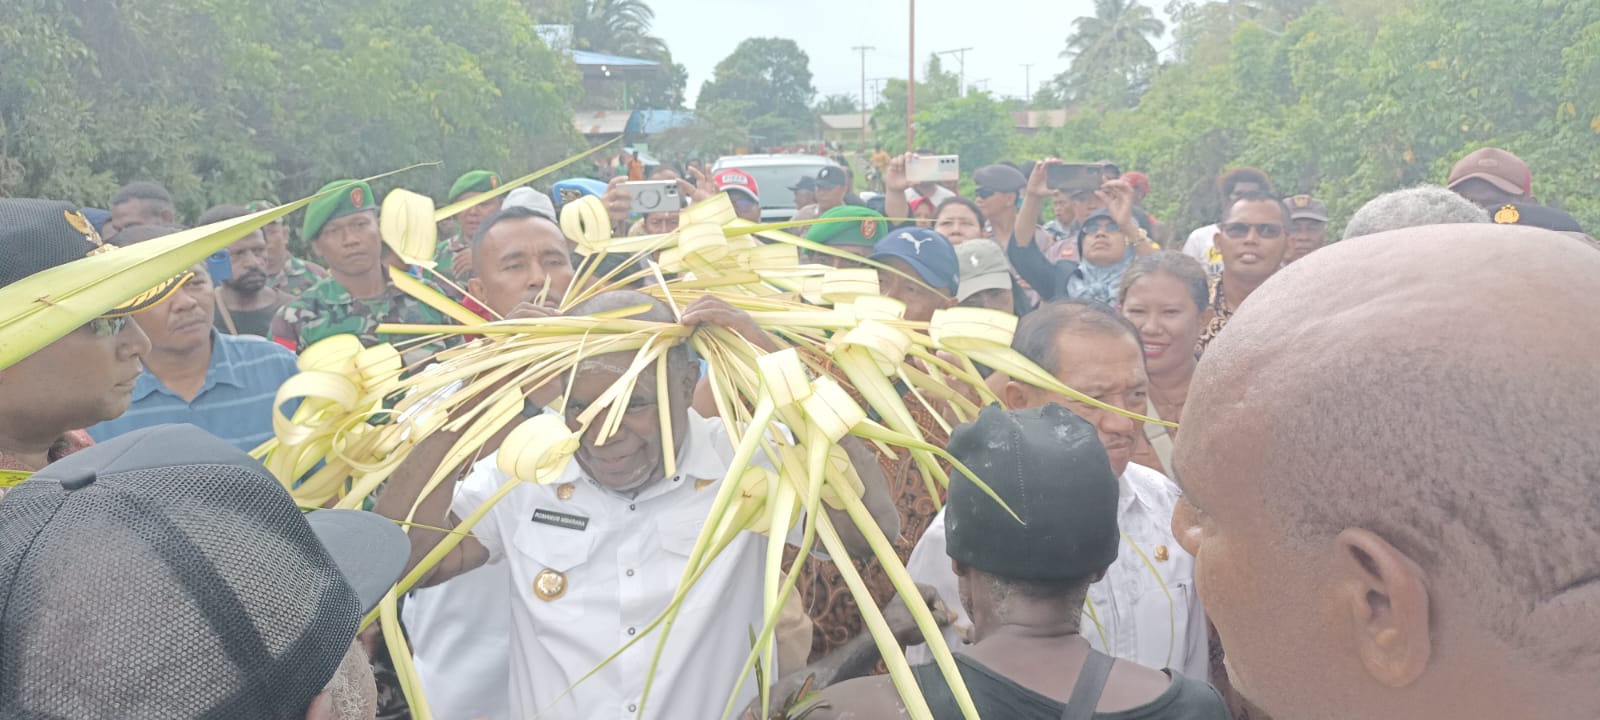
x=561 y=520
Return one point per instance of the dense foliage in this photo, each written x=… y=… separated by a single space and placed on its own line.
x=230 y=100
x=1343 y=98
x=768 y=80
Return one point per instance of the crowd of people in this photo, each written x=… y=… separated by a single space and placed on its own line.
x=1381 y=503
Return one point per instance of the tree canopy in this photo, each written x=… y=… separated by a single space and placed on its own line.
x=1345 y=99
x=233 y=100
x=772 y=76
x=1112 y=53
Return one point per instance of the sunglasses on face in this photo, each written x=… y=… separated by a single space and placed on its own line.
x=985 y=192
x=104 y=327
x=1094 y=226
x=1239 y=231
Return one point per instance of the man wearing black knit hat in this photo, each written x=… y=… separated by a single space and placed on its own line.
x=1024 y=585
x=165 y=574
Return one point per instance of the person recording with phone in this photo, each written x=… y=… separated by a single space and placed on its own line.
x=1108 y=240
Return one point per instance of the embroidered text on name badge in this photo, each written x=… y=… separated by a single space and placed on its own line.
x=561 y=520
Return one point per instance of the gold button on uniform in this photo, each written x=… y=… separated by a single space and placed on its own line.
x=564 y=491
x=549 y=585
x=1161 y=553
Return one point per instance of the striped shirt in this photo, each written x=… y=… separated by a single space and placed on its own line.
x=235 y=403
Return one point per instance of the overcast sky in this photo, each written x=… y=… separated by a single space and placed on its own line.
x=1004 y=34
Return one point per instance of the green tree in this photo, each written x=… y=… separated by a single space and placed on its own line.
x=976 y=127
x=837 y=104
x=935 y=85
x=718 y=129
x=231 y=100
x=617 y=27
x=773 y=77
x=1111 y=52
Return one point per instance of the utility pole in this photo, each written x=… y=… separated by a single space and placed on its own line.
x=1027 y=86
x=911 y=85
x=961 y=61
x=863 y=50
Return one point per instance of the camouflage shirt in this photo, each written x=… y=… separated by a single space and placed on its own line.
x=297 y=277
x=328 y=309
x=445 y=257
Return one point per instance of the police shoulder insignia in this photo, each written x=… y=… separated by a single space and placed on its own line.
x=1508 y=215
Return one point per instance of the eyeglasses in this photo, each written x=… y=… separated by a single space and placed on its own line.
x=985 y=192
x=104 y=327
x=1239 y=231
x=1095 y=226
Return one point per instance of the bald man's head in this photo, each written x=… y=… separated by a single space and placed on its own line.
x=1390 y=468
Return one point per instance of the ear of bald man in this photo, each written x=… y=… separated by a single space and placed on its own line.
x=1388 y=600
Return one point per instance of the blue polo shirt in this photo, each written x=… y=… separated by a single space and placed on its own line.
x=235 y=403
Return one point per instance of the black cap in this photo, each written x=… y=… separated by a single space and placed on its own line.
x=37 y=235
x=165 y=574
x=1000 y=178
x=1049 y=467
x=1533 y=215
x=805 y=183
x=831 y=176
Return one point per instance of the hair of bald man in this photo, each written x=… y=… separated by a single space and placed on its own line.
x=1413 y=207
x=142 y=233
x=1256 y=197
x=680 y=358
x=1464 y=438
x=1039 y=333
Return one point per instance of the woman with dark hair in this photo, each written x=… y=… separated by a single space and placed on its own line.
x=1109 y=239
x=960 y=220
x=1165 y=295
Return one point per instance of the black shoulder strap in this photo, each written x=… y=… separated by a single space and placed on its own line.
x=1091 y=682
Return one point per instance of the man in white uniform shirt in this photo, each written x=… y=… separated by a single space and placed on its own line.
x=597 y=555
x=1145 y=610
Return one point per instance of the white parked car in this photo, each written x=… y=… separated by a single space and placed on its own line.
x=774 y=175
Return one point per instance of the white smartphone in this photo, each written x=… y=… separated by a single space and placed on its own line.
x=653 y=196
x=933 y=168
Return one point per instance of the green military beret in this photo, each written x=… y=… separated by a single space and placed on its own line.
x=863 y=227
x=355 y=196
x=475 y=181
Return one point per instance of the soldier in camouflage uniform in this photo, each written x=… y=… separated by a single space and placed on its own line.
x=454 y=255
x=287 y=274
x=357 y=295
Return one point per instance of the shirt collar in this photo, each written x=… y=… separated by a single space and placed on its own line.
x=1131 y=488
x=220 y=372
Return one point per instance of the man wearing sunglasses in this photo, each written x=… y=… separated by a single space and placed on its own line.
x=86 y=376
x=1253 y=241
